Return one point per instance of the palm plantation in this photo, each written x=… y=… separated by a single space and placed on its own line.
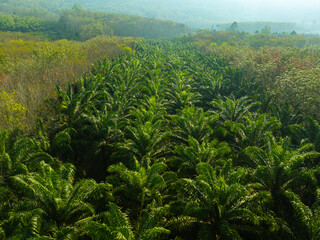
x=163 y=142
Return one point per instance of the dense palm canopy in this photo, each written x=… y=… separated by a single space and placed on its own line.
x=219 y=204
x=163 y=142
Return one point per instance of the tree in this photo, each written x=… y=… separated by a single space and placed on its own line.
x=139 y=191
x=143 y=141
x=284 y=174
x=77 y=7
x=192 y=122
x=234 y=26
x=113 y=225
x=231 y=109
x=186 y=157
x=309 y=217
x=266 y=30
x=116 y=225
x=92 y=30
x=145 y=182
x=289 y=117
x=179 y=92
x=50 y=198
x=218 y=205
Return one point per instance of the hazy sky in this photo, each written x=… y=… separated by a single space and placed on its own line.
x=206 y=13
x=277 y=10
x=296 y=3
x=262 y=10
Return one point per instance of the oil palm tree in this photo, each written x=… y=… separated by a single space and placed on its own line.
x=76 y=100
x=186 y=157
x=277 y=166
x=2 y=234
x=146 y=136
x=95 y=142
x=238 y=85
x=231 y=109
x=144 y=183
x=139 y=191
x=256 y=128
x=21 y=155
x=52 y=198
x=192 y=122
x=289 y=117
x=180 y=92
x=116 y=225
x=285 y=174
x=251 y=132
x=153 y=223
x=307 y=216
x=152 y=110
x=219 y=206
x=113 y=225
x=210 y=84
x=311 y=131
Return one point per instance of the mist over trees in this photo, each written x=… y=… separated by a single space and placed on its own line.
x=79 y=24
x=196 y=14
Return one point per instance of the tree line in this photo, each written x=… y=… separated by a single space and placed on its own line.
x=78 y=24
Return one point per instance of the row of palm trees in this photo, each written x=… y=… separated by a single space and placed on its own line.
x=163 y=142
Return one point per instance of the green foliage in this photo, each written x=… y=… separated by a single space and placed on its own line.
x=25 y=24
x=115 y=225
x=145 y=182
x=12 y=114
x=233 y=110
x=219 y=204
x=187 y=157
x=234 y=26
x=266 y=30
x=192 y=122
x=78 y=24
x=164 y=141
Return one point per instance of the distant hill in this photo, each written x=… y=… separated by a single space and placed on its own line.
x=79 y=24
x=194 y=13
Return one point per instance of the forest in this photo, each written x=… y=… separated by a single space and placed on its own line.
x=121 y=133
x=79 y=24
x=182 y=11
x=295 y=15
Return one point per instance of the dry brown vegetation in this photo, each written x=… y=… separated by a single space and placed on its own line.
x=30 y=68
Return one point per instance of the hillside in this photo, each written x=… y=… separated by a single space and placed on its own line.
x=196 y=14
x=79 y=24
x=179 y=11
